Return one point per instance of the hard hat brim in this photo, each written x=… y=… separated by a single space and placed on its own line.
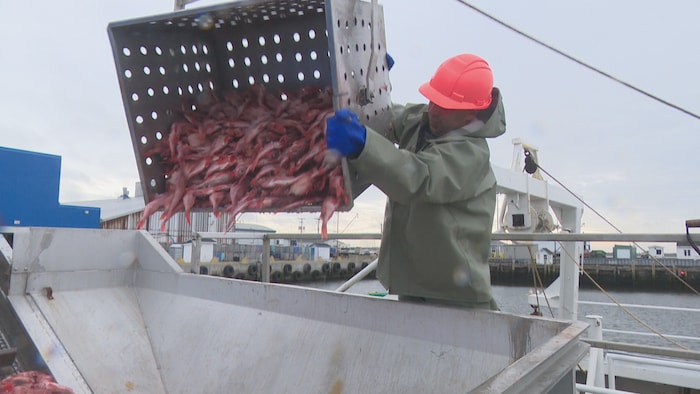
x=443 y=101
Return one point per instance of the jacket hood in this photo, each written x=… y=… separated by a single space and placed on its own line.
x=493 y=119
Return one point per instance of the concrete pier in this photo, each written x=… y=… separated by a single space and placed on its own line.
x=642 y=274
x=286 y=271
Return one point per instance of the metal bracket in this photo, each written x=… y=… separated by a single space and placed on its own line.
x=688 y=225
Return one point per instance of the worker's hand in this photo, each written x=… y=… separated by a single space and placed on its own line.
x=389 y=61
x=345 y=133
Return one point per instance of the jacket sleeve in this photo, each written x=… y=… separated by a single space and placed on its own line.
x=395 y=128
x=445 y=172
x=402 y=115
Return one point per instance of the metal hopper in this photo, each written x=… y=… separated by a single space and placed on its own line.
x=121 y=316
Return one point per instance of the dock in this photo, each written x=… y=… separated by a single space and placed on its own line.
x=639 y=274
x=282 y=271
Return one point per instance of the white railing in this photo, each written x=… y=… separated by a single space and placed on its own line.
x=641 y=306
x=651 y=307
x=641 y=363
x=585 y=388
x=652 y=370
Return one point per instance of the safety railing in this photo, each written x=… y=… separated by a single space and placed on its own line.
x=650 y=307
x=674 y=367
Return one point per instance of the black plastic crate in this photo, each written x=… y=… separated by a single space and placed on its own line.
x=168 y=61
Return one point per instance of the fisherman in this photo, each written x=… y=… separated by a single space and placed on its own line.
x=440 y=186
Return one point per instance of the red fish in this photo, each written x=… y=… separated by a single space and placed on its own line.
x=249 y=151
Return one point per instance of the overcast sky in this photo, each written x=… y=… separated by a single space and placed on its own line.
x=631 y=158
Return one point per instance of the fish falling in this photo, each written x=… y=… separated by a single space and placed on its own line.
x=252 y=151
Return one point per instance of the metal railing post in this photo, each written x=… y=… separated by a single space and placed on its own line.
x=196 y=253
x=596 y=374
x=358 y=276
x=265 y=269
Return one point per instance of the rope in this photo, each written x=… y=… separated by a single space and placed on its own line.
x=537 y=279
x=580 y=62
x=632 y=315
x=537 y=310
x=531 y=162
x=618 y=230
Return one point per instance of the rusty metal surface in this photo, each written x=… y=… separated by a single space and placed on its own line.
x=166 y=61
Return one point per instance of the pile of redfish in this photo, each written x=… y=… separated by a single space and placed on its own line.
x=32 y=382
x=250 y=152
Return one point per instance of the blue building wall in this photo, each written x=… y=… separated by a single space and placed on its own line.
x=29 y=186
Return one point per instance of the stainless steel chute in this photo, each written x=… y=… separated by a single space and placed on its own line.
x=123 y=316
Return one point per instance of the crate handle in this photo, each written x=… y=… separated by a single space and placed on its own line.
x=366 y=95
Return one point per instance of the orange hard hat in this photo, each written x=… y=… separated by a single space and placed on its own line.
x=461 y=82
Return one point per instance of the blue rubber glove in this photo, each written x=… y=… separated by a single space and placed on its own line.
x=389 y=61
x=345 y=133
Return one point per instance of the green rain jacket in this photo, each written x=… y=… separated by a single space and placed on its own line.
x=441 y=201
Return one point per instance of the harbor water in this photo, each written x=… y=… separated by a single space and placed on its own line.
x=683 y=323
